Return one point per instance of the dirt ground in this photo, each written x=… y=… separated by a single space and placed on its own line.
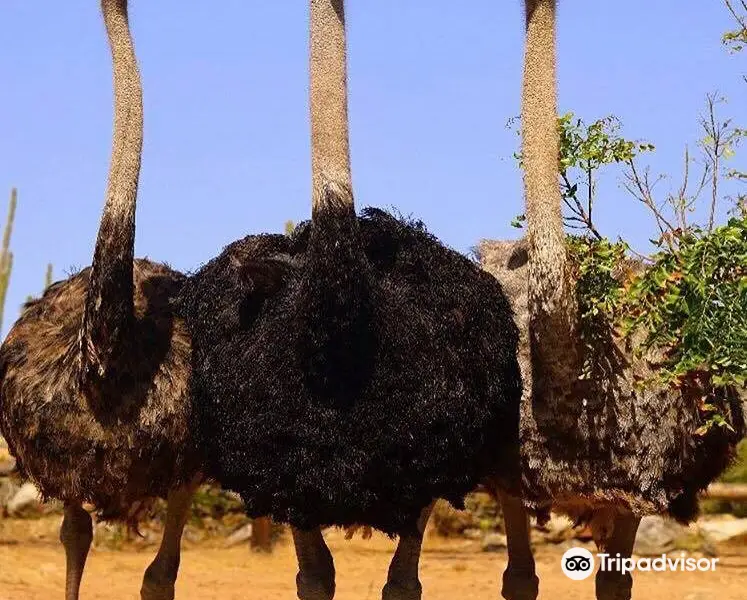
x=32 y=568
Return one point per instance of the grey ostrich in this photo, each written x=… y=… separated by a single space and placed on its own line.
x=94 y=375
x=599 y=448
x=355 y=371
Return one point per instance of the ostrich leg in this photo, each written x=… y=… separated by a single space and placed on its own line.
x=76 y=536
x=613 y=585
x=160 y=576
x=520 y=581
x=403 y=582
x=316 y=569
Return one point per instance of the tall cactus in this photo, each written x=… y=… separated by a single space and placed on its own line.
x=48 y=276
x=6 y=256
x=47 y=282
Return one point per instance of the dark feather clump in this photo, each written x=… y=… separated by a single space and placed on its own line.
x=340 y=387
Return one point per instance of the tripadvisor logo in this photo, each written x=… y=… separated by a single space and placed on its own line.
x=578 y=563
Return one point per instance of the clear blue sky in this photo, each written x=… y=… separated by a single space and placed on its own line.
x=227 y=150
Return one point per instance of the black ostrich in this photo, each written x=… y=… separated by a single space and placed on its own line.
x=355 y=371
x=94 y=375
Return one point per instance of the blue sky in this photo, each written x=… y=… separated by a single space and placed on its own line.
x=227 y=151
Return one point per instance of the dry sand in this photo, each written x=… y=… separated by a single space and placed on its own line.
x=32 y=568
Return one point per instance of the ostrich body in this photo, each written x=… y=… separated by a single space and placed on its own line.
x=110 y=451
x=623 y=449
x=598 y=449
x=345 y=375
x=94 y=375
x=421 y=408
x=623 y=452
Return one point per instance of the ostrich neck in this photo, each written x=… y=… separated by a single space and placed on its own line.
x=335 y=291
x=109 y=304
x=551 y=293
x=330 y=148
x=335 y=250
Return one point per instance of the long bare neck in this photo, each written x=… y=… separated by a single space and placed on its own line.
x=552 y=303
x=335 y=289
x=109 y=307
x=330 y=147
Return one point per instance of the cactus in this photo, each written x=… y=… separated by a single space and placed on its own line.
x=6 y=256
x=48 y=276
x=47 y=282
x=289 y=227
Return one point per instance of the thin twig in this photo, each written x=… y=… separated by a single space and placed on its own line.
x=641 y=188
x=714 y=153
x=683 y=191
x=741 y=20
x=578 y=209
x=643 y=257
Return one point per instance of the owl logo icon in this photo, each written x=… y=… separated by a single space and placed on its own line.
x=577 y=563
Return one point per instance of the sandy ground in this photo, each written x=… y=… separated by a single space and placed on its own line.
x=32 y=568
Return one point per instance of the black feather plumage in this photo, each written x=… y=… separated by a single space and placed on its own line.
x=352 y=372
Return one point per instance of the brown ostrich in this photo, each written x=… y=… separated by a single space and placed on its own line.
x=94 y=375
x=598 y=449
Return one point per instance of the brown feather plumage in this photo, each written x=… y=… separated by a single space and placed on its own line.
x=76 y=447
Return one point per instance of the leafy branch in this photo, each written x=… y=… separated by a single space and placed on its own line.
x=689 y=300
x=736 y=39
x=692 y=303
x=583 y=151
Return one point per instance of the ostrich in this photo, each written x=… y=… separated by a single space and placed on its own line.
x=356 y=370
x=94 y=375
x=597 y=449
